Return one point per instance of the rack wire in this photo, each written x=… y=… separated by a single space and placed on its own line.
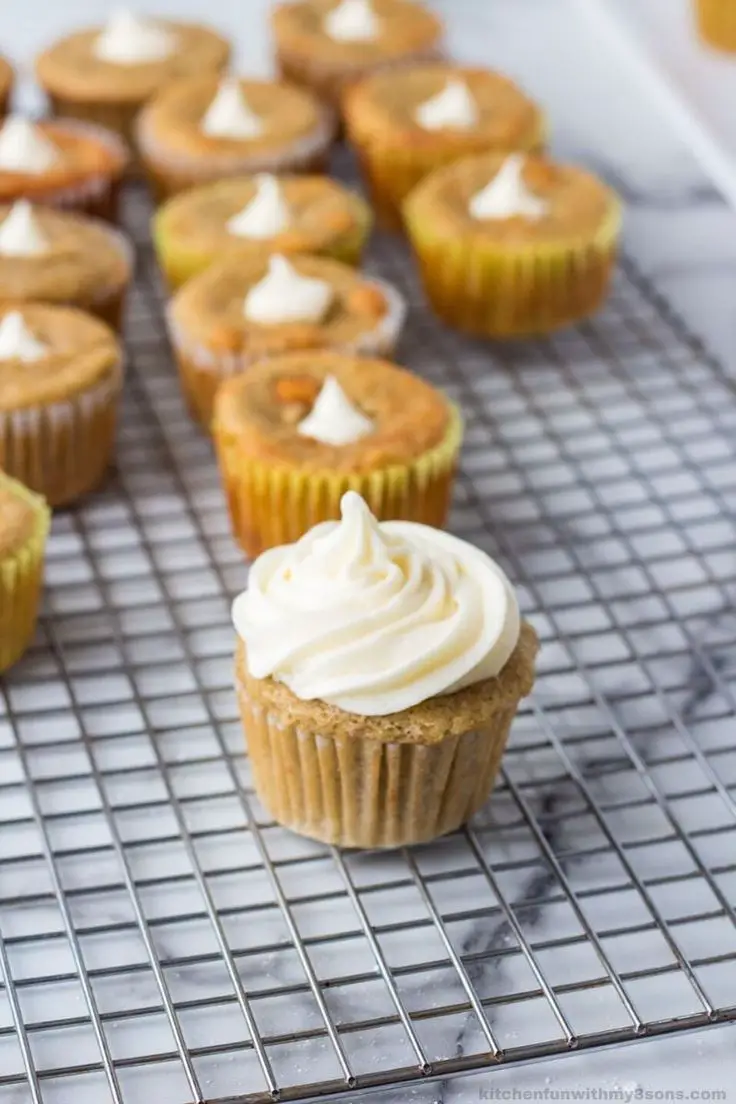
x=160 y=934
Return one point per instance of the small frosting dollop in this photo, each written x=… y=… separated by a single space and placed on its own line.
x=229 y=115
x=333 y=420
x=128 y=39
x=454 y=107
x=375 y=618
x=284 y=295
x=266 y=215
x=24 y=148
x=16 y=340
x=20 y=234
x=507 y=196
x=352 y=21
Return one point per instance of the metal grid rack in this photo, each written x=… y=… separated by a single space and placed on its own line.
x=160 y=934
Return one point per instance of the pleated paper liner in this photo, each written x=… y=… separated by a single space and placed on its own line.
x=354 y=790
x=62 y=450
x=716 y=21
x=21 y=580
x=273 y=504
x=491 y=292
x=119 y=118
x=202 y=370
x=391 y=171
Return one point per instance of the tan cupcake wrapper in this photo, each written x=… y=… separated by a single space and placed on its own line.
x=716 y=21
x=489 y=291
x=360 y=792
x=202 y=370
x=62 y=450
x=272 y=504
x=21 y=581
x=116 y=117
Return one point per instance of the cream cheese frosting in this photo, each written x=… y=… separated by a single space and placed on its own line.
x=16 y=340
x=284 y=295
x=229 y=115
x=20 y=234
x=352 y=21
x=507 y=196
x=23 y=148
x=376 y=617
x=454 y=107
x=333 y=420
x=128 y=39
x=266 y=215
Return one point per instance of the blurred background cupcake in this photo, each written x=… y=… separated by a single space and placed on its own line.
x=6 y=85
x=24 y=525
x=716 y=20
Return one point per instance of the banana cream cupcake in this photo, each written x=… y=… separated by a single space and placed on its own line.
x=59 y=257
x=106 y=74
x=379 y=668
x=241 y=310
x=24 y=525
x=203 y=129
x=256 y=216
x=327 y=45
x=60 y=380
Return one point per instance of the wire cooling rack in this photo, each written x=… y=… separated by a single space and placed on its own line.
x=161 y=938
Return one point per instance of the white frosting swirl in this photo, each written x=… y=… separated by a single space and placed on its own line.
x=24 y=149
x=266 y=215
x=128 y=39
x=284 y=295
x=229 y=115
x=352 y=21
x=333 y=420
x=20 y=234
x=454 y=107
x=507 y=196
x=16 y=340
x=375 y=618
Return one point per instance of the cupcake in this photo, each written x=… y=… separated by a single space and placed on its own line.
x=201 y=130
x=59 y=257
x=61 y=163
x=24 y=525
x=106 y=74
x=257 y=216
x=294 y=433
x=60 y=379
x=716 y=21
x=6 y=85
x=327 y=45
x=513 y=246
x=246 y=309
x=379 y=668
x=404 y=123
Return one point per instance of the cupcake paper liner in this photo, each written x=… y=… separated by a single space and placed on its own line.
x=119 y=118
x=362 y=792
x=716 y=21
x=202 y=370
x=21 y=579
x=273 y=504
x=62 y=450
x=487 y=291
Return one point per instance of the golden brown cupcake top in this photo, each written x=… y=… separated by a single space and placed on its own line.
x=576 y=205
x=64 y=152
x=49 y=353
x=470 y=109
x=177 y=117
x=57 y=256
x=73 y=69
x=211 y=310
x=263 y=409
x=317 y=211
x=20 y=510
x=401 y=28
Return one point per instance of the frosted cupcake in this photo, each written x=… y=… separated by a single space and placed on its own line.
x=106 y=74
x=379 y=668
x=24 y=525
x=513 y=246
x=327 y=45
x=242 y=310
x=202 y=130
x=256 y=216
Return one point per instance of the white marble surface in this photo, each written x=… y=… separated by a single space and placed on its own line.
x=685 y=237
